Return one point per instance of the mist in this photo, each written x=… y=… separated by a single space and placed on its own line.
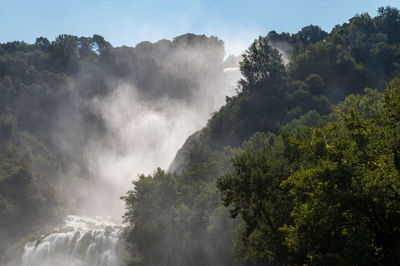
x=144 y=123
x=163 y=154
x=104 y=116
x=284 y=48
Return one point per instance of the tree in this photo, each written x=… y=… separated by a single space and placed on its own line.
x=254 y=194
x=392 y=118
x=315 y=84
x=261 y=63
x=311 y=34
x=64 y=52
x=346 y=196
x=43 y=44
x=388 y=20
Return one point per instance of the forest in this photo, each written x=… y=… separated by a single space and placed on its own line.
x=305 y=158
x=54 y=117
x=300 y=166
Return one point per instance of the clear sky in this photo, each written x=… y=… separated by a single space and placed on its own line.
x=127 y=22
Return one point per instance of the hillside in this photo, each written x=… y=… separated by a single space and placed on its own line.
x=304 y=158
x=61 y=109
x=298 y=164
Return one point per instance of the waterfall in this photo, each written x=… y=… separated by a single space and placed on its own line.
x=82 y=241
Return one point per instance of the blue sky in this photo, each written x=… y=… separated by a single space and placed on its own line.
x=127 y=22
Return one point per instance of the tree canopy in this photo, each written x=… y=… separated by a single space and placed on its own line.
x=314 y=179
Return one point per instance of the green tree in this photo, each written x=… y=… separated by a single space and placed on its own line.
x=65 y=53
x=261 y=63
x=254 y=194
x=311 y=34
x=315 y=84
x=346 y=197
x=392 y=118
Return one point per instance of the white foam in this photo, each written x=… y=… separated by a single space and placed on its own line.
x=81 y=241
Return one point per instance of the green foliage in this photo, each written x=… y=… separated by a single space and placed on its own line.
x=254 y=192
x=315 y=84
x=311 y=34
x=310 y=119
x=307 y=192
x=47 y=91
x=392 y=118
x=261 y=63
x=346 y=197
x=369 y=105
x=178 y=219
x=324 y=69
x=261 y=103
x=388 y=20
x=327 y=195
x=27 y=172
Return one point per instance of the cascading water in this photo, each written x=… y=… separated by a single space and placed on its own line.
x=82 y=241
x=96 y=241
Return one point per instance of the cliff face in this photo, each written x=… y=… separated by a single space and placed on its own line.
x=182 y=158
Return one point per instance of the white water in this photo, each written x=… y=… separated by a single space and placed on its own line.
x=82 y=241
x=95 y=241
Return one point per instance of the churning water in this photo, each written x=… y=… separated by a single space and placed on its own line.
x=96 y=241
x=82 y=241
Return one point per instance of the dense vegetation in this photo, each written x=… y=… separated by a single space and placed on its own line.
x=48 y=120
x=305 y=159
x=313 y=177
x=327 y=195
x=27 y=177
